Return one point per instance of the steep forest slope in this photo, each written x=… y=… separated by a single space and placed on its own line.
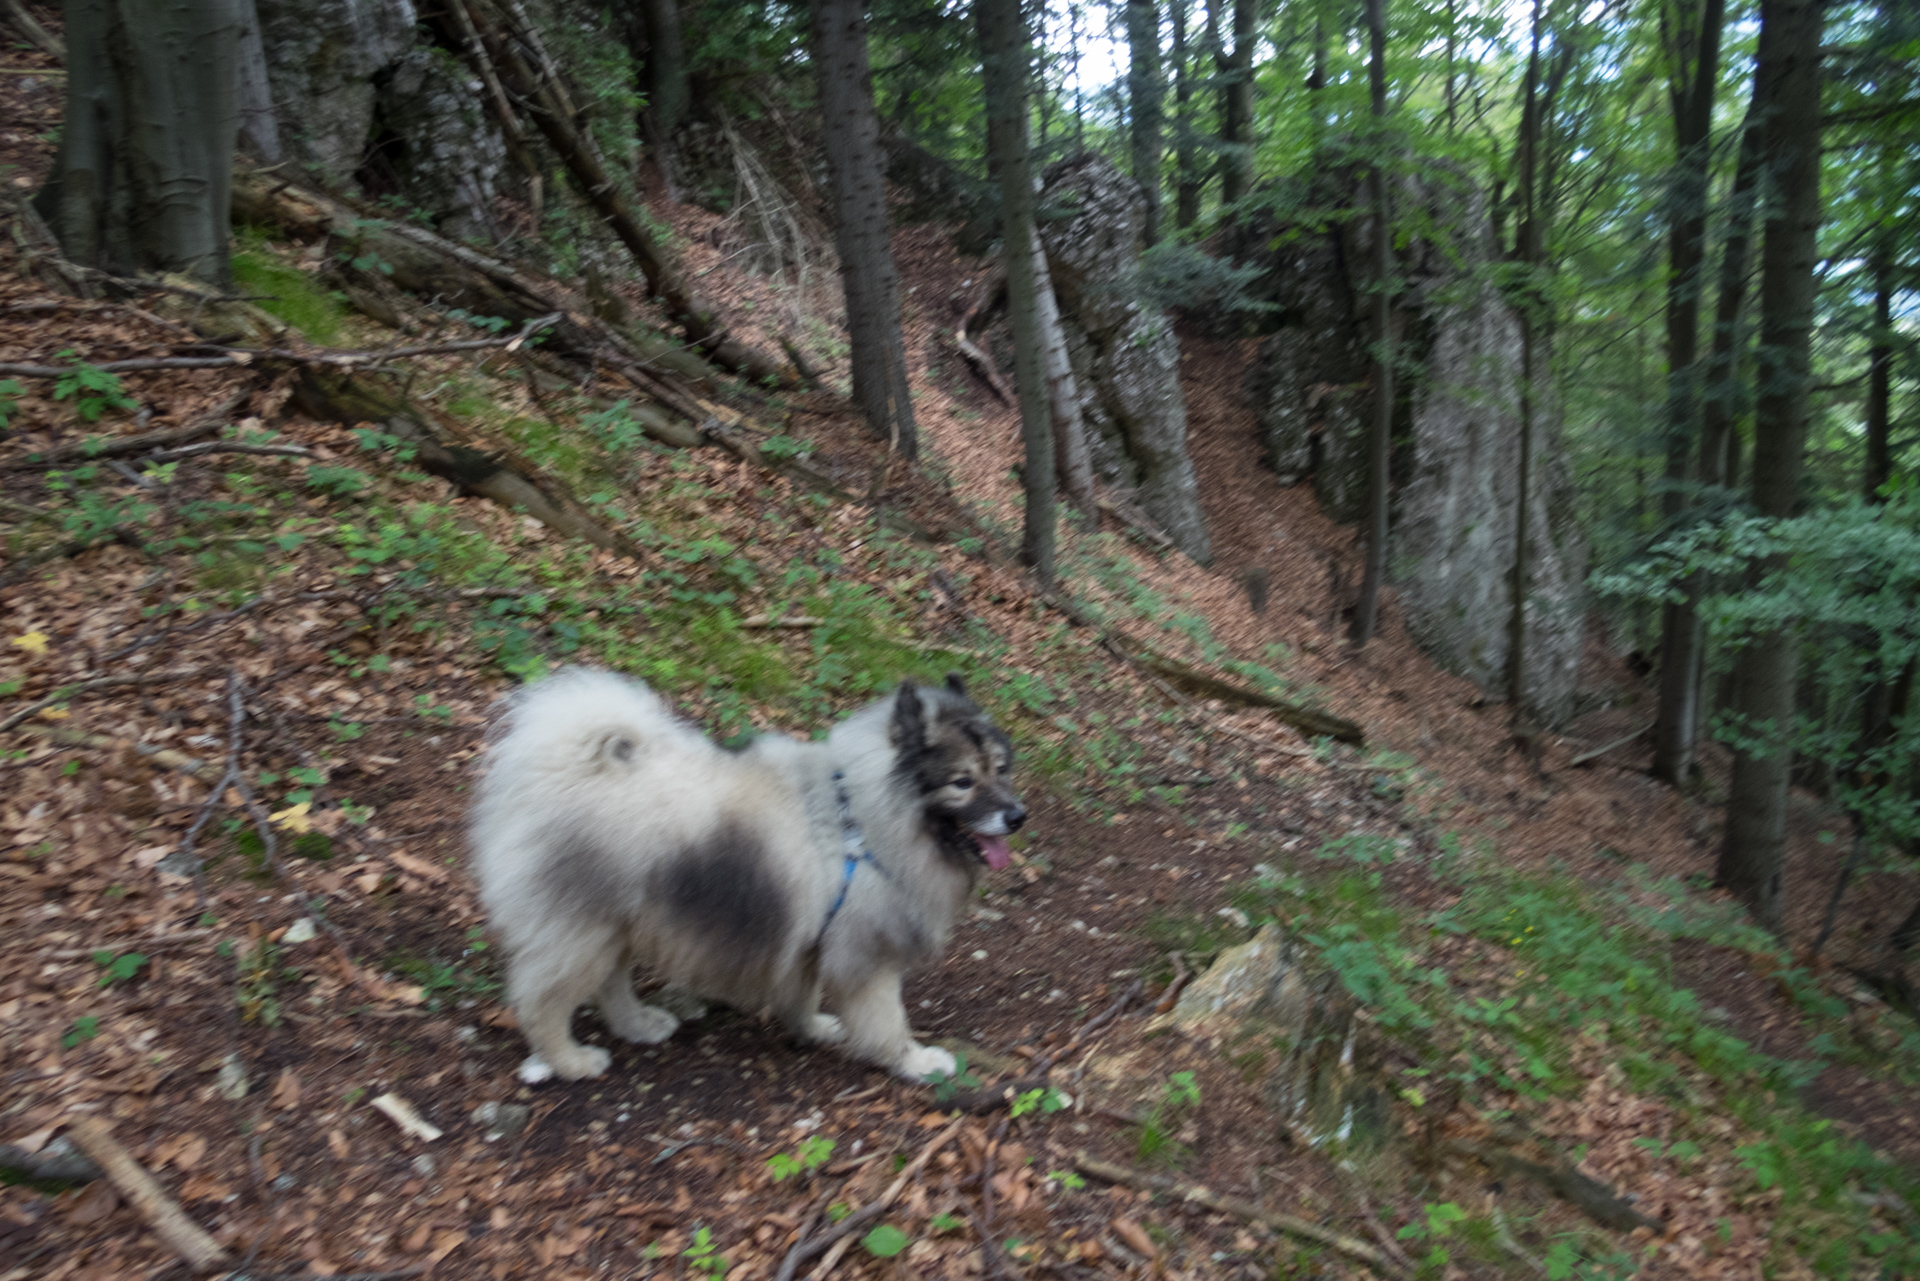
x=249 y=654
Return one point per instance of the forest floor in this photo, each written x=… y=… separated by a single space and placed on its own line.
x=234 y=1028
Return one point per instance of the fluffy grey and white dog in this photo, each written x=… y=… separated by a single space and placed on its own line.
x=791 y=876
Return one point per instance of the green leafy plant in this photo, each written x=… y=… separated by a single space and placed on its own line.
x=885 y=1241
x=808 y=1157
x=84 y=1029
x=946 y=1085
x=92 y=390
x=10 y=393
x=781 y=448
x=1155 y=1140
x=1042 y=1099
x=703 y=1256
x=942 y=1223
x=118 y=969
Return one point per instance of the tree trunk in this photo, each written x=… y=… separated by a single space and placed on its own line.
x=1317 y=84
x=1752 y=858
x=1879 y=468
x=1691 y=84
x=1145 y=91
x=1721 y=392
x=1188 y=182
x=145 y=166
x=666 y=83
x=1366 y=617
x=1071 y=458
x=259 y=126
x=1528 y=248
x=1236 y=104
x=1003 y=58
x=855 y=168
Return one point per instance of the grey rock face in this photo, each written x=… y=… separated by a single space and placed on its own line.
x=448 y=157
x=1457 y=450
x=321 y=59
x=343 y=73
x=1456 y=531
x=1125 y=357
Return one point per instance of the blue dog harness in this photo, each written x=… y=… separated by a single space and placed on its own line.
x=854 y=851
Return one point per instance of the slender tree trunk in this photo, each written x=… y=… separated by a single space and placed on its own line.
x=856 y=171
x=1003 y=58
x=144 y=176
x=1074 y=463
x=1528 y=248
x=1188 y=181
x=1236 y=103
x=1367 y=615
x=259 y=126
x=1753 y=856
x=1693 y=76
x=1722 y=396
x=1879 y=468
x=1316 y=85
x=1145 y=91
x=653 y=37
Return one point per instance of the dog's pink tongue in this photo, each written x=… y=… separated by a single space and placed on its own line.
x=995 y=850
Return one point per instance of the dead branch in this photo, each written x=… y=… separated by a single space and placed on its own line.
x=1123 y=509
x=1598 y=752
x=86 y=451
x=978 y=361
x=835 y=1242
x=70 y=691
x=200 y=1251
x=1594 y=1198
x=227 y=447
x=37 y=35
x=544 y=97
x=165 y=757
x=1144 y=1181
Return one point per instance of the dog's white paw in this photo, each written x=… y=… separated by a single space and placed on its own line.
x=577 y=1064
x=825 y=1029
x=644 y=1025
x=923 y=1061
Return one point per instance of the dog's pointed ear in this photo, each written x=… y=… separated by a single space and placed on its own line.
x=957 y=685
x=909 y=722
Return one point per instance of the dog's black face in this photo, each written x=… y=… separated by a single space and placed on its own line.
x=961 y=764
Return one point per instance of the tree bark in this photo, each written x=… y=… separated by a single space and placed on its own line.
x=855 y=169
x=1695 y=70
x=1071 y=457
x=1721 y=391
x=1145 y=91
x=259 y=126
x=1367 y=615
x=1879 y=463
x=145 y=165
x=1236 y=104
x=1529 y=250
x=1188 y=181
x=1003 y=57
x=665 y=72
x=1753 y=855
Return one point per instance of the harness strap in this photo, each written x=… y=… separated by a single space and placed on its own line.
x=853 y=844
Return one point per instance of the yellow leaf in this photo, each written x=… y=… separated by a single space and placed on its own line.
x=294 y=818
x=32 y=642
x=54 y=713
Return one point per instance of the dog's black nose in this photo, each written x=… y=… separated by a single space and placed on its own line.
x=1015 y=817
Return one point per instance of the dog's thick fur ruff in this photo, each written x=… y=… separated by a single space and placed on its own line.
x=608 y=832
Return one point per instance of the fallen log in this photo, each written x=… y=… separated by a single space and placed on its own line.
x=355 y=397
x=189 y=1241
x=544 y=97
x=432 y=267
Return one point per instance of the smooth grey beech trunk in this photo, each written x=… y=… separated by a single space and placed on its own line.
x=1146 y=90
x=855 y=167
x=145 y=171
x=1753 y=856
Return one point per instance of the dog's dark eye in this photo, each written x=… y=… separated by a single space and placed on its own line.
x=964 y=782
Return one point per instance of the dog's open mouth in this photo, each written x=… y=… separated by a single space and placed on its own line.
x=990 y=842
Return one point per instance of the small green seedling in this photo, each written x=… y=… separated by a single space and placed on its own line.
x=946 y=1086
x=810 y=1156
x=85 y=1028
x=118 y=968
x=885 y=1241
x=1043 y=1099
x=701 y=1255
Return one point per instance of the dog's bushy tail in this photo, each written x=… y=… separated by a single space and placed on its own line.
x=578 y=721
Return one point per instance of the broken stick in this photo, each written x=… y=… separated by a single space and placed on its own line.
x=1113 y=1172
x=836 y=1241
x=90 y=1135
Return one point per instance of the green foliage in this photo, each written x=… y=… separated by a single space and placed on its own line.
x=446 y=984
x=93 y=391
x=885 y=1241
x=781 y=448
x=1155 y=1140
x=118 y=969
x=10 y=393
x=810 y=1156
x=259 y=977
x=1173 y=273
x=84 y=1029
x=283 y=290
x=946 y=1085
x=1041 y=1099
x=702 y=1255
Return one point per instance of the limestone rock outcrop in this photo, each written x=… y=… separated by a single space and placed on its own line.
x=1125 y=356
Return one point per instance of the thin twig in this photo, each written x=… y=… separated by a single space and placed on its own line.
x=66 y=693
x=1597 y=752
x=226 y=447
x=188 y=1240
